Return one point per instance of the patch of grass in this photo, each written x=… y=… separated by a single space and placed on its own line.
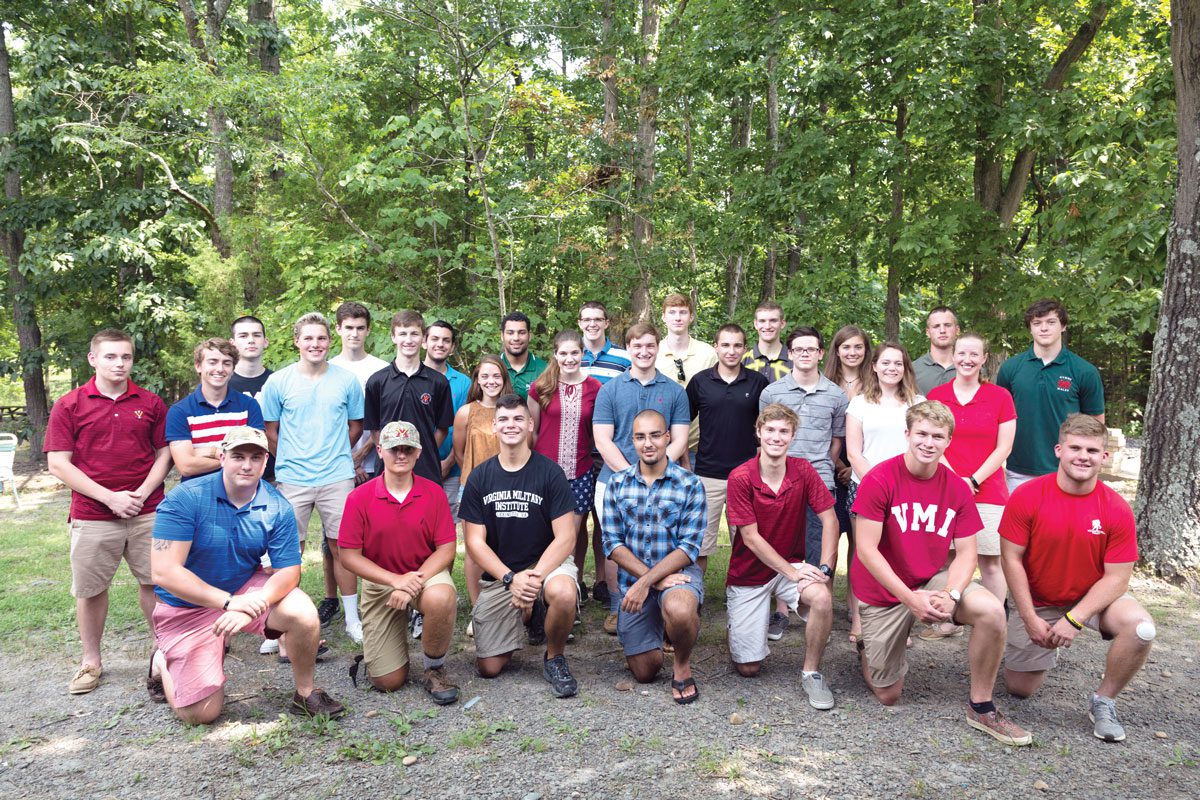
x=530 y=744
x=403 y=722
x=19 y=743
x=771 y=758
x=361 y=747
x=1182 y=756
x=480 y=733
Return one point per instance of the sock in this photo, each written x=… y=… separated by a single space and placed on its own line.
x=350 y=603
x=808 y=674
x=986 y=707
x=433 y=663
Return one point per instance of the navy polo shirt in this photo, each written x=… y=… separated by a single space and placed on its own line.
x=727 y=413
x=227 y=542
x=423 y=398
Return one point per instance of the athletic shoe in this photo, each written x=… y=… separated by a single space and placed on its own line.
x=327 y=610
x=610 y=624
x=820 y=696
x=934 y=632
x=776 y=627
x=600 y=593
x=994 y=724
x=85 y=680
x=268 y=647
x=316 y=704
x=439 y=687
x=535 y=627
x=1104 y=715
x=354 y=632
x=562 y=683
x=416 y=624
x=471 y=629
x=583 y=592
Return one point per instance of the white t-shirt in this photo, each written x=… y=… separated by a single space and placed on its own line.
x=883 y=429
x=362 y=369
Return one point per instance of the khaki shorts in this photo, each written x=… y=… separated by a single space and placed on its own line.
x=498 y=625
x=885 y=629
x=1022 y=655
x=714 y=495
x=97 y=546
x=987 y=541
x=749 y=610
x=385 y=629
x=328 y=500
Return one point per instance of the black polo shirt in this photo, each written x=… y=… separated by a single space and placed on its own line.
x=422 y=399
x=727 y=413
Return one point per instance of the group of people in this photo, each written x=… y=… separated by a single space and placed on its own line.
x=932 y=471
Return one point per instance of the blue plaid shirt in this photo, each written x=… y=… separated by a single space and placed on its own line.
x=653 y=520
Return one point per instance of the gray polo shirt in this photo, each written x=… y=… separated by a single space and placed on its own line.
x=931 y=374
x=822 y=415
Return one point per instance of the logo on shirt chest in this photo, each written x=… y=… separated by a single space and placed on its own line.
x=1096 y=530
x=426 y=398
x=923 y=517
x=1064 y=383
x=137 y=412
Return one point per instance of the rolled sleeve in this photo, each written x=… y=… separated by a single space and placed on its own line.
x=693 y=519
x=611 y=520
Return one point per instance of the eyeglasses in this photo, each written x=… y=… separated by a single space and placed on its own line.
x=679 y=367
x=805 y=351
x=592 y=320
x=657 y=436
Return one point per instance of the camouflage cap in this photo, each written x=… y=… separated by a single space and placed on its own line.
x=398 y=434
x=244 y=435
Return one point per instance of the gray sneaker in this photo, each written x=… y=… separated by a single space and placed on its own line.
x=1104 y=715
x=820 y=696
x=776 y=627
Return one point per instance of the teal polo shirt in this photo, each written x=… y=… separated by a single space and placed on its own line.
x=522 y=379
x=1044 y=395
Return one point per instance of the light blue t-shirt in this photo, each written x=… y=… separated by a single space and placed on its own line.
x=314 y=443
x=459 y=384
x=624 y=397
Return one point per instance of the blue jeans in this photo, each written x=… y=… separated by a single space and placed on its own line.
x=812 y=538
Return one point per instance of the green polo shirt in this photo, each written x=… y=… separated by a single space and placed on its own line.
x=522 y=380
x=1044 y=395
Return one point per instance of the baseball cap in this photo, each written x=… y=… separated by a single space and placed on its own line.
x=244 y=435
x=398 y=434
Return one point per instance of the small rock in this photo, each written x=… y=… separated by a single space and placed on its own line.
x=1166 y=673
x=1041 y=786
x=532 y=796
x=467 y=706
x=409 y=761
x=1160 y=735
x=735 y=719
x=371 y=713
x=645 y=692
x=1188 y=661
x=624 y=686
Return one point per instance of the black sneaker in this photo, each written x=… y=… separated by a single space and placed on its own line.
x=327 y=610
x=600 y=593
x=583 y=592
x=562 y=683
x=536 y=626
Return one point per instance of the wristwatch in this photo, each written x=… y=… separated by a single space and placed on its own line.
x=226 y=606
x=826 y=571
x=955 y=594
x=507 y=579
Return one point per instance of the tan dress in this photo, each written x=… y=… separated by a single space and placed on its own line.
x=482 y=443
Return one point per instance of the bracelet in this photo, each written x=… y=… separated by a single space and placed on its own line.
x=1072 y=621
x=974 y=482
x=226 y=606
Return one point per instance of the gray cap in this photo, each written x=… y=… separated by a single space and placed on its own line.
x=398 y=434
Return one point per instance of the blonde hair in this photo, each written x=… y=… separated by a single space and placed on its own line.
x=930 y=411
x=777 y=412
x=1082 y=425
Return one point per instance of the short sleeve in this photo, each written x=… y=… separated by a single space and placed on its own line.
x=254 y=417
x=1017 y=522
x=445 y=407
x=856 y=407
x=693 y=397
x=838 y=423
x=819 y=497
x=968 y=521
x=470 y=507
x=562 y=499
x=680 y=413
x=603 y=413
x=1004 y=376
x=158 y=437
x=1122 y=545
x=354 y=398
x=175 y=519
x=60 y=430
x=739 y=498
x=1091 y=392
x=272 y=398
x=443 y=523
x=177 y=429
x=283 y=544
x=351 y=533
x=533 y=393
x=1006 y=410
x=765 y=398
x=871 y=501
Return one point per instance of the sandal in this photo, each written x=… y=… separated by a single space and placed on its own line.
x=354 y=674
x=681 y=686
x=154 y=683
x=322 y=649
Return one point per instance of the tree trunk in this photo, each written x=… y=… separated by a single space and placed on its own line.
x=891 y=311
x=646 y=138
x=771 y=265
x=608 y=80
x=264 y=53
x=1168 y=504
x=24 y=310
x=741 y=127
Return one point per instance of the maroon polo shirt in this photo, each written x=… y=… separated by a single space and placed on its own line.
x=397 y=536
x=113 y=442
x=781 y=517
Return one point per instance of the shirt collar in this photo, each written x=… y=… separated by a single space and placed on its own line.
x=1061 y=358
x=792 y=470
x=760 y=354
x=198 y=395
x=131 y=390
x=258 y=501
x=742 y=375
x=628 y=376
x=529 y=362
x=382 y=493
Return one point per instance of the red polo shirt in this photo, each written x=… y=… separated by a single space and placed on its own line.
x=113 y=442
x=397 y=536
x=780 y=516
x=976 y=428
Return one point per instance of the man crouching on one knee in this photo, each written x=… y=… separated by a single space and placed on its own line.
x=209 y=538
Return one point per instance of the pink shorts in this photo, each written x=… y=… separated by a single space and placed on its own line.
x=195 y=655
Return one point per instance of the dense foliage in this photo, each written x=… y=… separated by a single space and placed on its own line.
x=183 y=163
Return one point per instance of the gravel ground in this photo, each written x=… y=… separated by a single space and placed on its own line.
x=744 y=738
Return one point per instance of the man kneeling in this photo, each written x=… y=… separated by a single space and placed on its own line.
x=654 y=521
x=769 y=498
x=398 y=536
x=909 y=508
x=1068 y=545
x=209 y=537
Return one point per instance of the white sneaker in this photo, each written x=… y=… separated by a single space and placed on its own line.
x=268 y=647
x=354 y=631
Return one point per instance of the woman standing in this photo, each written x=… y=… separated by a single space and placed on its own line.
x=561 y=402
x=851 y=348
x=474 y=439
x=875 y=423
x=985 y=423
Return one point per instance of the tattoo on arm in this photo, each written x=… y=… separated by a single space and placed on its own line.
x=163 y=544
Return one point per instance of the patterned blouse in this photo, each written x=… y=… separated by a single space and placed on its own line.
x=565 y=426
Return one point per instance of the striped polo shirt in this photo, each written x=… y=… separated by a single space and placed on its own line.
x=822 y=415
x=196 y=420
x=607 y=364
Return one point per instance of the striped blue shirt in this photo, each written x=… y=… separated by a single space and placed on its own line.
x=607 y=364
x=670 y=514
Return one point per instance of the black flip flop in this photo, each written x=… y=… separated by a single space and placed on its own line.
x=680 y=686
x=358 y=659
x=154 y=684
